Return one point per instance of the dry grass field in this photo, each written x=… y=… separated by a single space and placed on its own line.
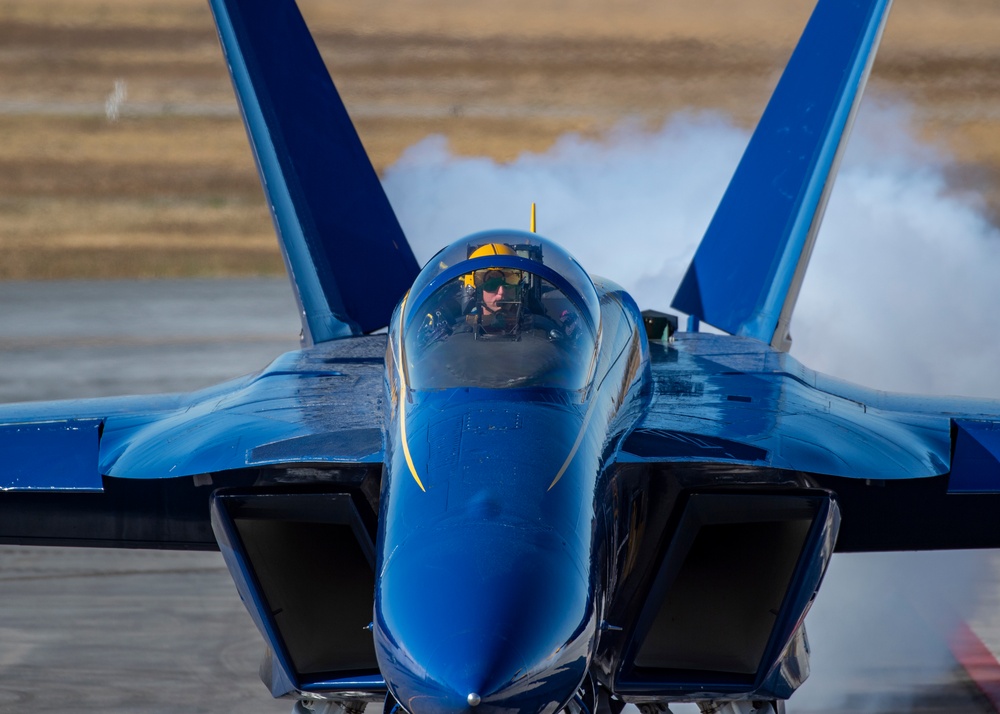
x=169 y=188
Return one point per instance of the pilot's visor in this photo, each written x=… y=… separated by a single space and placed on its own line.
x=492 y=279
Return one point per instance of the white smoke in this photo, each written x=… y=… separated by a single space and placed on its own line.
x=880 y=632
x=630 y=206
x=901 y=287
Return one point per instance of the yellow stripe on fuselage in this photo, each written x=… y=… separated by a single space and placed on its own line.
x=402 y=398
x=576 y=445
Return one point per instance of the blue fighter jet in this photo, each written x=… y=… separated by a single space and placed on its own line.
x=526 y=497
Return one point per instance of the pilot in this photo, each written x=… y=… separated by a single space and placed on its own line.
x=487 y=298
x=499 y=302
x=499 y=308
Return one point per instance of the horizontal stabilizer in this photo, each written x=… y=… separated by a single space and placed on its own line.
x=344 y=249
x=746 y=274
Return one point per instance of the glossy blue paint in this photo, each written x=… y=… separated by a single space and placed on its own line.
x=975 y=464
x=281 y=675
x=495 y=606
x=338 y=233
x=56 y=455
x=718 y=392
x=780 y=679
x=371 y=683
x=488 y=532
x=294 y=411
x=745 y=274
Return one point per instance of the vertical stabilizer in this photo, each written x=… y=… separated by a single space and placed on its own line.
x=344 y=249
x=746 y=274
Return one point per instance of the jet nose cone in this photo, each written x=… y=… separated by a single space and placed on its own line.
x=501 y=627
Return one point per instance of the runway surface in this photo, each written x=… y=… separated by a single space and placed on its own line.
x=161 y=632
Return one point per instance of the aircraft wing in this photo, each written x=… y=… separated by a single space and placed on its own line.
x=910 y=472
x=138 y=471
x=279 y=470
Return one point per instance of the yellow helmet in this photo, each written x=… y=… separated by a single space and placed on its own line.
x=486 y=249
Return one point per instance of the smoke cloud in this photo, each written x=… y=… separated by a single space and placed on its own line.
x=901 y=286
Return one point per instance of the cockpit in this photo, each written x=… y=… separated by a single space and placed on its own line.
x=501 y=309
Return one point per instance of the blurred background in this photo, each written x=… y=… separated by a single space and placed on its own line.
x=123 y=155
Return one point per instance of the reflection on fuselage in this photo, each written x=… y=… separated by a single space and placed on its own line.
x=490 y=578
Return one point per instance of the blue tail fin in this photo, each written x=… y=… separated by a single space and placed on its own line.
x=344 y=249
x=746 y=274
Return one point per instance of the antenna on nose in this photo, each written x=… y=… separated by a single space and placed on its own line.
x=533 y=217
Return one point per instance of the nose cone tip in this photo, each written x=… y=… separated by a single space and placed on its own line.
x=473 y=699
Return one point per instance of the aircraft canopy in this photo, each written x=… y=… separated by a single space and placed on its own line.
x=499 y=310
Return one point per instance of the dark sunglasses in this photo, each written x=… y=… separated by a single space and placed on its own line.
x=497 y=279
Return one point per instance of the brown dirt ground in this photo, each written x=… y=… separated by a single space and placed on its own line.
x=170 y=189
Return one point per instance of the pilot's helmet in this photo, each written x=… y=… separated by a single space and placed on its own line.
x=492 y=249
x=484 y=250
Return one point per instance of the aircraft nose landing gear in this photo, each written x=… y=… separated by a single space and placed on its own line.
x=307 y=706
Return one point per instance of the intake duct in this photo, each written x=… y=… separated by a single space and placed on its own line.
x=303 y=563
x=734 y=581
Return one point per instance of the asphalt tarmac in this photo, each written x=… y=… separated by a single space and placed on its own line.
x=89 y=630
x=139 y=631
